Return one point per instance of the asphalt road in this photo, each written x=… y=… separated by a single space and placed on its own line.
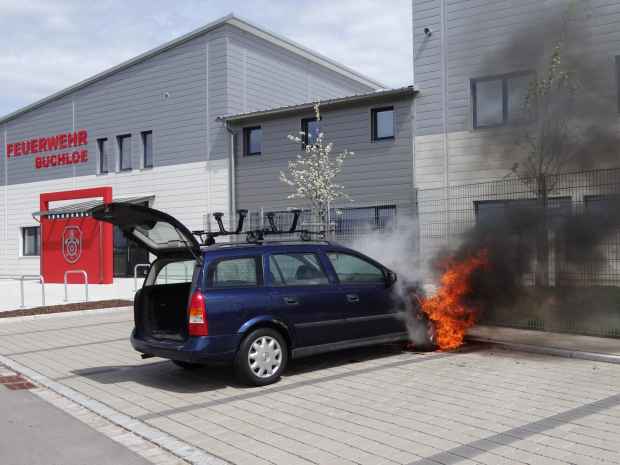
x=34 y=432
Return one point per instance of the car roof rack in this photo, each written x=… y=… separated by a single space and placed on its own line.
x=256 y=236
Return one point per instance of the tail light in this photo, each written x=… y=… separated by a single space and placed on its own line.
x=198 y=324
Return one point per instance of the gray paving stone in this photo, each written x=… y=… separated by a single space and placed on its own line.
x=479 y=407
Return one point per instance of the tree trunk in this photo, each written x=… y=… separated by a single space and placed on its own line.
x=542 y=234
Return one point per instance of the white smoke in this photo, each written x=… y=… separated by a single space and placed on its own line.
x=396 y=247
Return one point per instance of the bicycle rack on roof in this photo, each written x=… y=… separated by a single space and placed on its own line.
x=256 y=235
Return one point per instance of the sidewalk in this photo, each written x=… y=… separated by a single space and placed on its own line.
x=566 y=345
x=33 y=432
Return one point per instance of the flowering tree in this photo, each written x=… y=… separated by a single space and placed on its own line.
x=312 y=173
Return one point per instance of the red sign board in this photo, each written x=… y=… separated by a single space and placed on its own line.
x=76 y=243
x=57 y=150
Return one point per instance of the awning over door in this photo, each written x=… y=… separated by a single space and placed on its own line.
x=80 y=209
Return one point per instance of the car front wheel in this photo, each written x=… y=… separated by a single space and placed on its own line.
x=262 y=357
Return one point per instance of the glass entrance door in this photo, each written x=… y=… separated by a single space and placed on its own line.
x=127 y=254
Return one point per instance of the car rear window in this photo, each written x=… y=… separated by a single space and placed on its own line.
x=296 y=269
x=234 y=272
x=176 y=272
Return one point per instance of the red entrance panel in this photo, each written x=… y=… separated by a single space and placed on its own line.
x=76 y=243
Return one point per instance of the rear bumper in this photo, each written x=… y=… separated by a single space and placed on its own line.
x=196 y=349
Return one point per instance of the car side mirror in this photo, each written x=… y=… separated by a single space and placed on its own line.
x=390 y=278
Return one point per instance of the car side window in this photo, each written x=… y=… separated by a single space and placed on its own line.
x=176 y=272
x=234 y=272
x=352 y=269
x=296 y=269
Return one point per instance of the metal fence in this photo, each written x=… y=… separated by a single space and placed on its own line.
x=446 y=215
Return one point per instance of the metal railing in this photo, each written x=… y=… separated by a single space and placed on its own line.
x=31 y=277
x=83 y=273
x=135 y=274
x=27 y=277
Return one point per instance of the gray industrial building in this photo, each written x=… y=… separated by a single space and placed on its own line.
x=149 y=128
x=200 y=124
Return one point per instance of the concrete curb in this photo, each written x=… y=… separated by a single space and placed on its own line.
x=98 y=311
x=555 y=351
x=164 y=440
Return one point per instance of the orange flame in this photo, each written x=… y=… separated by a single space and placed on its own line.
x=448 y=309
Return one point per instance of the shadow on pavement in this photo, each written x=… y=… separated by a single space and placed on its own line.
x=167 y=376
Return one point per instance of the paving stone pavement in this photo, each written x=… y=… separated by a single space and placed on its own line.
x=372 y=406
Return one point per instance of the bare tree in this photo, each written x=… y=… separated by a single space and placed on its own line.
x=549 y=139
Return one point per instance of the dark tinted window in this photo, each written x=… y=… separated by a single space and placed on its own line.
x=124 y=152
x=618 y=80
x=253 y=140
x=147 y=149
x=349 y=221
x=383 y=123
x=311 y=129
x=31 y=241
x=234 y=272
x=102 y=144
x=296 y=269
x=352 y=269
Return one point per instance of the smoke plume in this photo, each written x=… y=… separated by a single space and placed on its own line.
x=557 y=230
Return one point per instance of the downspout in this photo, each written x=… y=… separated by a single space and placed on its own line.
x=232 y=176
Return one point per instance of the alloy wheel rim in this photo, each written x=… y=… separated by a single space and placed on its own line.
x=265 y=356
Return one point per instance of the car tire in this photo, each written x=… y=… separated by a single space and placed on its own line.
x=187 y=365
x=262 y=357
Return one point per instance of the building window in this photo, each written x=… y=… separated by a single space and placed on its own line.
x=147 y=149
x=499 y=100
x=618 y=80
x=102 y=144
x=382 y=123
x=253 y=140
x=311 y=129
x=124 y=152
x=350 y=221
x=31 y=241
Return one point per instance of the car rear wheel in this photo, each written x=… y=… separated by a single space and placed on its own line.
x=262 y=357
x=187 y=365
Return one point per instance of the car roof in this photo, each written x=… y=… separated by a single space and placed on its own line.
x=266 y=246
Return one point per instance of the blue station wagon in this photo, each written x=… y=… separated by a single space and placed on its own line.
x=256 y=304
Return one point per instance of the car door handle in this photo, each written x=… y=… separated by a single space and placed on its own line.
x=291 y=301
x=353 y=298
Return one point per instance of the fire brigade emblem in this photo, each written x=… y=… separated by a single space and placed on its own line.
x=72 y=244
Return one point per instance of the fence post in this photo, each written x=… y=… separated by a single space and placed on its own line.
x=42 y=281
x=21 y=292
x=83 y=273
